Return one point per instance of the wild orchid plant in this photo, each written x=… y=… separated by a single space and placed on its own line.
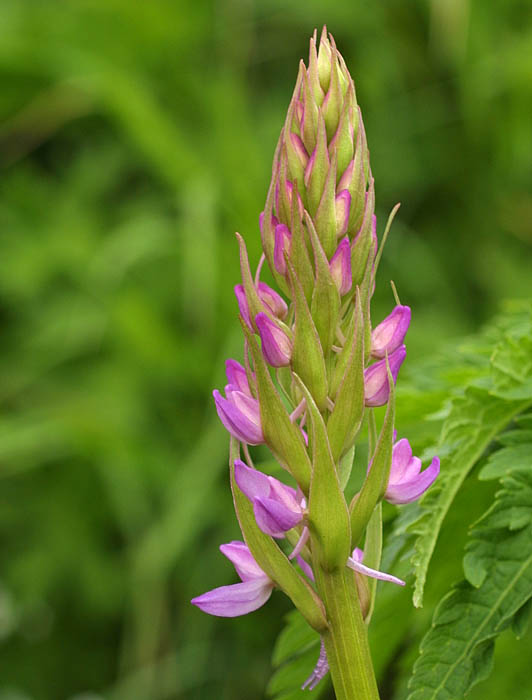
x=314 y=369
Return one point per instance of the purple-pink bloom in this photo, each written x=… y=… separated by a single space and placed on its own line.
x=390 y=333
x=276 y=345
x=240 y=415
x=340 y=266
x=407 y=482
x=376 y=384
x=239 y=598
x=282 y=247
x=277 y=507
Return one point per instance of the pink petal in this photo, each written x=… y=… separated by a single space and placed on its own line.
x=251 y=482
x=274 y=518
x=239 y=555
x=409 y=491
x=235 y=600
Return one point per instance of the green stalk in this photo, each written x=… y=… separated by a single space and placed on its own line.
x=346 y=641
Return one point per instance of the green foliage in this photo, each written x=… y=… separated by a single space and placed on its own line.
x=498 y=392
x=457 y=652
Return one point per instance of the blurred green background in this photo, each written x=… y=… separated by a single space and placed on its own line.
x=135 y=137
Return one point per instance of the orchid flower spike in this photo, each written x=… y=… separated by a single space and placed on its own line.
x=407 y=482
x=239 y=598
x=277 y=507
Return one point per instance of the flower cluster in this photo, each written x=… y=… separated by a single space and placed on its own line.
x=314 y=367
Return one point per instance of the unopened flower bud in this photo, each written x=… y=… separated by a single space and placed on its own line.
x=390 y=333
x=240 y=415
x=299 y=148
x=340 y=266
x=283 y=245
x=275 y=303
x=268 y=296
x=276 y=345
x=376 y=384
x=343 y=206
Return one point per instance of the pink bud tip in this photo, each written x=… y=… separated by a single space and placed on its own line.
x=276 y=345
x=300 y=149
x=340 y=266
x=282 y=247
x=390 y=333
x=376 y=385
x=272 y=300
x=343 y=206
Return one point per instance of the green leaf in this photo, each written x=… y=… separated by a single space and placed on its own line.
x=512 y=362
x=474 y=421
x=457 y=651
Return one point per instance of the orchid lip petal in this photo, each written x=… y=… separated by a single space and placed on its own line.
x=236 y=599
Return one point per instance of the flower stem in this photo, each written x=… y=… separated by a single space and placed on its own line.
x=346 y=642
